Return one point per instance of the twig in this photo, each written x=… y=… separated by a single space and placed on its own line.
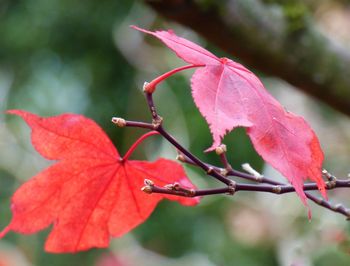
x=176 y=189
x=275 y=189
x=257 y=177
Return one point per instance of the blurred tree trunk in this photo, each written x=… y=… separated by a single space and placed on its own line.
x=274 y=38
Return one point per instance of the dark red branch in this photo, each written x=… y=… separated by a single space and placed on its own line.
x=312 y=186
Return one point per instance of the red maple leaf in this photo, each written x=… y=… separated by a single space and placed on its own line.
x=91 y=193
x=228 y=95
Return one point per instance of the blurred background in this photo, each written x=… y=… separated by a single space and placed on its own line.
x=59 y=56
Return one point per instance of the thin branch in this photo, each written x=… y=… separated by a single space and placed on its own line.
x=192 y=193
x=257 y=177
x=177 y=189
x=230 y=190
x=120 y=122
x=317 y=200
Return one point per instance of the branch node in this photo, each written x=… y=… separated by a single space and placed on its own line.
x=176 y=186
x=277 y=189
x=338 y=206
x=169 y=186
x=331 y=184
x=232 y=188
x=259 y=179
x=120 y=122
x=221 y=149
x=156 y=122
x=224 y=171
x=210 y=170
x=328 y=175
x=179 y=190
x=191 y=192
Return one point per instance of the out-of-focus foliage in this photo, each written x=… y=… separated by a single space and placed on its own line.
x=61 y=56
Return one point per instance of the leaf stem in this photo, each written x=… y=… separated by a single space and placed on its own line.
x=137 y=142
x=151 y=86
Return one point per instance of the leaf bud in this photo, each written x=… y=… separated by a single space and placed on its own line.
x=148 y=182
x=224 y=172
x=220 y=149
x=120 y=122
x=338 y=206
x=327 y=174
x=147 y=189
x=210 y=170
x=176 y=186
x=169 y=186
x=180 y=158
x=277 y=189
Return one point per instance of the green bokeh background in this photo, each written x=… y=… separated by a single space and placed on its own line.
x=81 y=57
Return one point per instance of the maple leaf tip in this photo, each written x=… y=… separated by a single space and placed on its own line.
x=304 y=201
x=140 y=29
x=5 y=231
x=309 y=215
x=21 y=113
x=12 y=111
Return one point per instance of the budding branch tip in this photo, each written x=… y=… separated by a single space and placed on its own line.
x=180 y=158
x=147 y=189
x=120 y=122
x=220 y=149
